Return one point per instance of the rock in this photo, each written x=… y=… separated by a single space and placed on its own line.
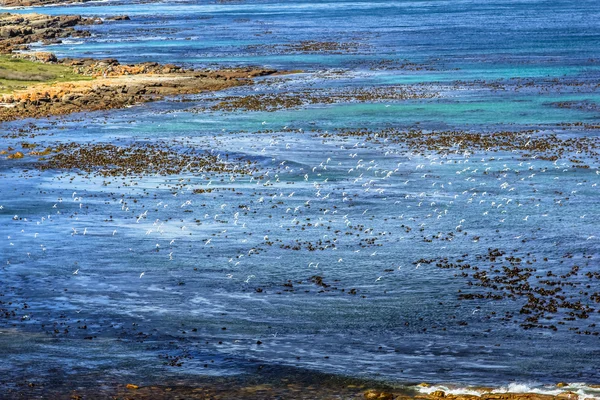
x=70 y=97
x=377 y=395
x=118 y=18
x=18 y=31
x=45 y=57
x=6 y=32
x=132 y=386
x=568 y=396
x=496 y=396
x=517 y=396
x=438 y=393
x=84 y=100
x=423 y=384
x=16 y=155
x=371 y=394
x=562 y=384
x=45 y=152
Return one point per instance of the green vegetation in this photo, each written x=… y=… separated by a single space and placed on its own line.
x=19 y=74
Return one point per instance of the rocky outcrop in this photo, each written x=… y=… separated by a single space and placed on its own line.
x=41 y=56
x=118 y=91
x=18 y=31
x=16 y=155
x=111 y=67
x=118 y=18
x=114 y=85
x=33 y=3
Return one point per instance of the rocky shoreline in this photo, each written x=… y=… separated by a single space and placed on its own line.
x=298 y=392
x=294 y=391
x=36 y=3
x=295 y=387
x=108 y=83
x=116 y=92
x=18 y=31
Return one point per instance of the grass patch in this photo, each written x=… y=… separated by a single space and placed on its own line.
x=18 y=74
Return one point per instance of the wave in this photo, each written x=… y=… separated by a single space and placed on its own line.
x=582 y=390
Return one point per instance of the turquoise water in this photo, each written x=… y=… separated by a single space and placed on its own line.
x=496 y=66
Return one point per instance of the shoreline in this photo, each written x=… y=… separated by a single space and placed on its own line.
x=258 y=380
x=296 y=383
x=36 y=86
x=46 y=100
x=39 y=3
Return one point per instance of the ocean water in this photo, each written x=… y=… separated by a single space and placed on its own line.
x=226 y=269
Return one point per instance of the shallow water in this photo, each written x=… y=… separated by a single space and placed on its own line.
x=405 y=323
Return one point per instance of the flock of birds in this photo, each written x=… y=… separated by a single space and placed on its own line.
x=298 y=216
x=350 y=199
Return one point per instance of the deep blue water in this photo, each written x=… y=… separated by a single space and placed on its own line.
x=410 y=325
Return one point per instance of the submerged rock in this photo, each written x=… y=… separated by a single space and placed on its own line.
x=118 y=18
